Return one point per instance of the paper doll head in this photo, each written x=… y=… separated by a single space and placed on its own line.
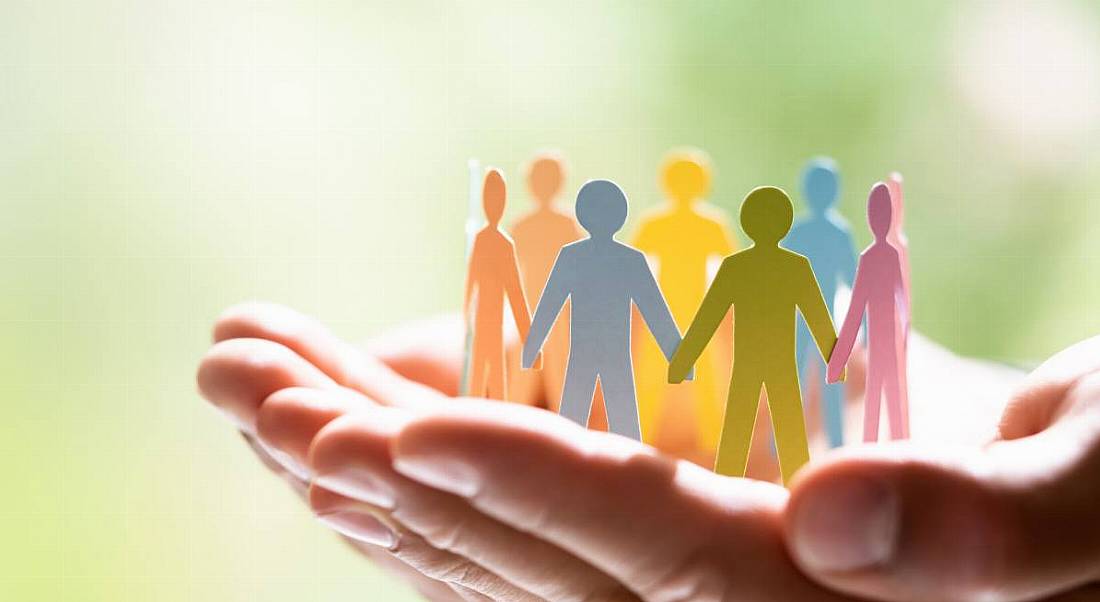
x=820 y=184
x=601 y=208
x=492 y=196
x=685 y=176
x=766 y=215
x=880 y=210
x=897 y=199
x=545 y=176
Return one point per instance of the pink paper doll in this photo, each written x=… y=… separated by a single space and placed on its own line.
x=879 y=291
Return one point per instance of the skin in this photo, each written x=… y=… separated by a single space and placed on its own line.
x=431 y=491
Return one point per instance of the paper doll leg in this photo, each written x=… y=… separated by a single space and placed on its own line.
x=871 y=403
x=555 y=353
x=893 y=405
x=803 y=345
x=708 y=409
x=832 y=408
x=785 y=405
x=495 y=385
x=523 y=385
x=831 y=396
x=733 y=445
x=576 y=397
x=652 y=384
x=620 y=401
x=485 y=348
x=478 y=370
x=903 y=381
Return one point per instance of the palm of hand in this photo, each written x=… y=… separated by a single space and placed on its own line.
x=492 y=501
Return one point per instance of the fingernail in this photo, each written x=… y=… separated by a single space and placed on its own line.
x=847 y=526
x=440 y=472
x=360 y=484
x=360 y=526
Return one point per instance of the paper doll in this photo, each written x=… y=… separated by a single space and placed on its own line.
x=900 y=242
x=601 y=278
x=682 y=236
x=539 y=235
x=880 y=292
x=824 y=237
x=766 y=286
x=474 y=223
x=492 y=275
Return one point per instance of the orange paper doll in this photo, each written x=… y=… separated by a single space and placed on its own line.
x=539 y=236
x=493 y=274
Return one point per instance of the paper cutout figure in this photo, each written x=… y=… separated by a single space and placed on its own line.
x=539 y=235
x=601 y=277
x=824 y=237
x=682 y=236
x=766 y=286
x=878 y=291
x=493 y=274
x=474 y=221
x=900 y=241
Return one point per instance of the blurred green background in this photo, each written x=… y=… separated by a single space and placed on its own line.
x=160 y=160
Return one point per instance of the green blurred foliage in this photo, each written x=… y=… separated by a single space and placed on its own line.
x=161 y=160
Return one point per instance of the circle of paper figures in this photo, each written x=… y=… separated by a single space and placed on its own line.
x=585 y=285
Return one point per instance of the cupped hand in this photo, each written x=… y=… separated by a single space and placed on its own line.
x=1015 y=518
x=481 y=500
x=485 y=500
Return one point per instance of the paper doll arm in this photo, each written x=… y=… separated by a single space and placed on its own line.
x=847 y=339
x=513 y=287
x=643 y=238
x=654 y=309
x=847 y=272
x=816 y=314
x=554 y=295
x=471 y=282
x=848 y=261
x=715 y=305
x=901 y=300
x=722 y=243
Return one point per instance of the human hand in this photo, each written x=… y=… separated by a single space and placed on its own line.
x=1012 y=518
x=266 y=349
x=559 y=512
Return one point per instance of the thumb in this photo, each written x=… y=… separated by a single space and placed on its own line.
x=1015 y=520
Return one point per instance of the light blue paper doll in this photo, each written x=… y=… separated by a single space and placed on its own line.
x=823 y=236
x=601 y=278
